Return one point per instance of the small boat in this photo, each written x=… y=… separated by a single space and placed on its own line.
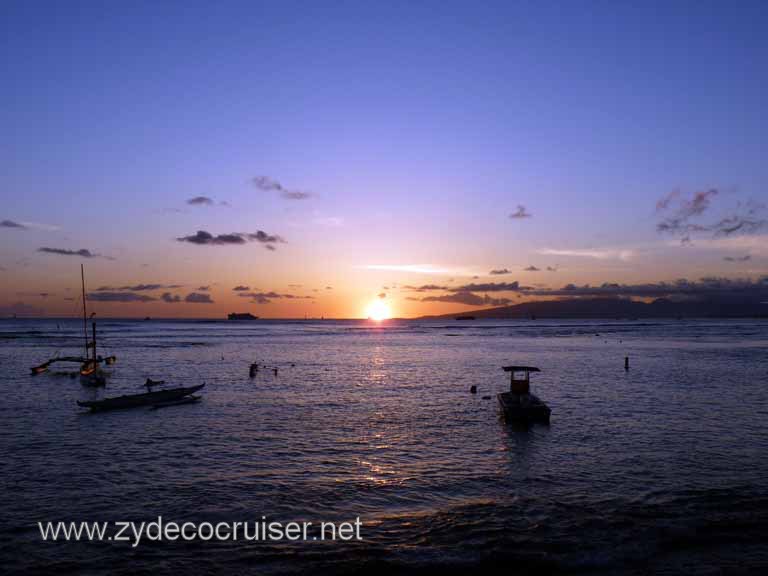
x=90 y=370
x=519 y=405
x=137 y=400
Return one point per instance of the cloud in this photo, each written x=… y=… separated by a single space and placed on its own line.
x=663 y=203
x=198 y=298
x=203 y=288
x=532 y=269
x=65 y=252
x=499 y=272
x=490 y=287
x=241 y=288
x=551 y=269
x=267 y=297
x=143 y=287
x=382 y=295
x=745 y=258
x=597 y=254
x=264 y=238
x=520 y=213
x=202 y=237
x=267 y=184
x=416 y=269
x=707 y=287
x=12 y=224
x=119 y=297
x=136 y=288
x=680 y=217
x=424 y=287
x=200 y=201
x=28 y=225
x=170 y=298
x=468 y=299
x=329 y=221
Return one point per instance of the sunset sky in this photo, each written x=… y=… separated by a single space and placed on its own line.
x=326 y=155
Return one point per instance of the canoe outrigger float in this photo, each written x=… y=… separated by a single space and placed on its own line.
x=79 y=359
x=519 y=405
x=90 y=371
x=157 y=399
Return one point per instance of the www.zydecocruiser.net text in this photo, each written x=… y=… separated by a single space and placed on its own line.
x=159 y=530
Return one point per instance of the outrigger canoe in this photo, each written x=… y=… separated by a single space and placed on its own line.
x=137 y=400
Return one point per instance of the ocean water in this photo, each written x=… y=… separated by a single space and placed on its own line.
x=659 y=469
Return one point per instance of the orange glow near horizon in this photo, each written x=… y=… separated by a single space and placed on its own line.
x=378 y=311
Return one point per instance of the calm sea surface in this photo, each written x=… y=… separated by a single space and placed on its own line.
x=663 y=468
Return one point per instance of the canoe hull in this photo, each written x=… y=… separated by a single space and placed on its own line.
x=137 y=400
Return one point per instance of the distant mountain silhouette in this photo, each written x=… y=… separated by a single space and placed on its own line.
x=625 y=308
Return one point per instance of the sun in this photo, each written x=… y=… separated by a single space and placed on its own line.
x=378 y=311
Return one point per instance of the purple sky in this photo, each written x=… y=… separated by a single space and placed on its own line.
x=333 y=152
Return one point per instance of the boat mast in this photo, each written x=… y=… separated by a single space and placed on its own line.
x=85 y=320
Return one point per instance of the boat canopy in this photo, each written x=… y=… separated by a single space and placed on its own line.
x=520 y=369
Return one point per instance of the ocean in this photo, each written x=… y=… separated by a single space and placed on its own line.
x=659 y=469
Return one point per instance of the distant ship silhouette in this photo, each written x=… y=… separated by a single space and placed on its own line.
x=242 y=316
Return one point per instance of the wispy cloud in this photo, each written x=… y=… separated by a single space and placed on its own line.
x=588 y=253
x=267 y=297
x=83 y=253
x=137 y=287
x=12 y=224
x=119 y=297
x=28 y=225
x=521 y=212
x=499 y=272
x=200 y=201
x=532 y=269
x=424 y=288
x=489 y=287
x=417 y=269
x=202 y=237
x=744 y=258
x=241 y=288
x=329 y=221
x=170 y=298
x=680 y=216
x=267 y=184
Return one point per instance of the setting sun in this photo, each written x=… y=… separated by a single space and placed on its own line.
x=378 y=310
